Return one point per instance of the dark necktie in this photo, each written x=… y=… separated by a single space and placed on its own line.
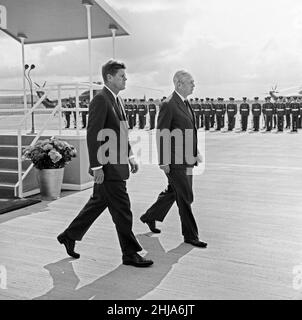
x=120 y=110
x=188 y=107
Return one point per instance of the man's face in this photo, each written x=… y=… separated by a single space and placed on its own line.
x=187 y=85
x=118 y=80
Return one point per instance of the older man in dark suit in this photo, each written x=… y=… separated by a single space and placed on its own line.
x=109 y=157
x=178 y=154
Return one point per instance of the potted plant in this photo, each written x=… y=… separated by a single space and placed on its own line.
x=50 y=157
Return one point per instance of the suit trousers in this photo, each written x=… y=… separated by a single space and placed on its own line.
x=180 y=190
x=112 y=195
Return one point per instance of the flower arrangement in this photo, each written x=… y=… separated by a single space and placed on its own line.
x=50 y=154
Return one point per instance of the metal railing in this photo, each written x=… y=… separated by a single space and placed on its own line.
x=18 y=189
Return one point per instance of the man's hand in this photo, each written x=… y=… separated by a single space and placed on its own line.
x=98 y=175
x=165 y=168
x=133 y=165
x=199 y=158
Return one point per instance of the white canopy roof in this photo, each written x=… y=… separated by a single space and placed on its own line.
x=60 y=20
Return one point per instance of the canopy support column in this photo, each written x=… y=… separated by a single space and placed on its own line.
x=88 y=4
x=22 y=38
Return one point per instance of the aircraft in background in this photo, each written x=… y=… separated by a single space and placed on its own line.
x=50 y=104
x=292 y=92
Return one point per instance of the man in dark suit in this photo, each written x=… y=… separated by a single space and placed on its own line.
x=109 y=159
x=178 y=154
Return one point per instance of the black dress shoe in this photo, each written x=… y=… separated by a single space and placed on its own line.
x=69 y=245
x=197 y=243
x=151 y=225
x=136 y=260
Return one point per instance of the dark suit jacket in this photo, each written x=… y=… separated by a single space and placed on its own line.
x=103 y=114
x=175 y=116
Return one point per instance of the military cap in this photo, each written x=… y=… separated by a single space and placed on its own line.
x=150 y=99
x=201 y=100
x=196 y=99
x=231 y=98
x=244 y=98
x=207 y=99
x=256 y=98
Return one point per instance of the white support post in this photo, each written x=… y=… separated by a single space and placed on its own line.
x=22 y=38
x=60 y=109
x=88 y=11
x=113 y=29
x=20 y=193
x=77 y=110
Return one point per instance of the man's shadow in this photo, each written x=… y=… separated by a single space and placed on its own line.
x=123 y=283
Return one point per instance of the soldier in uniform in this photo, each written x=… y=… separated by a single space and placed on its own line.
x=223 y=113
x=142 y=112
x=219 y=112
x=213 y=114
x=201 y=112
x=275 y=106
x=300 y=115
x=256 y=112
x=280 y=111
x=196 y=108
x=231 y=112
x=207 y=114
x=268 y=109
x=295 y=111
x=244 y=112
x=152 y=113
x=288 y=113
x=85 y=104
x=67 y=114
x=135 y=112
x=126 y=108
x=73 y=105
x=130 y=114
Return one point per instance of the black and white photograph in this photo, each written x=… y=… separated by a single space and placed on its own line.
x=150 y=152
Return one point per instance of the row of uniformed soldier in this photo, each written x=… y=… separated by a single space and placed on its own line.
x=208 y=112
x=140 y=110
x=70 y=104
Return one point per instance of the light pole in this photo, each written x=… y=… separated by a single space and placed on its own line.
x=113 y=29
x=28 y=78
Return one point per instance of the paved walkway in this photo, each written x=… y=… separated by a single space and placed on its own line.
x=248 y=207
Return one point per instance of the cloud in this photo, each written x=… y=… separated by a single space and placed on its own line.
x=57 y=50
x=229 y=47
x=143 y=6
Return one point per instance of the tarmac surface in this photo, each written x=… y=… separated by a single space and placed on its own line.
x=247 y=205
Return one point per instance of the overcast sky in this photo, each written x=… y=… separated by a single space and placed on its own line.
x=232 y=48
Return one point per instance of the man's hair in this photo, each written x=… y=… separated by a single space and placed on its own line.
x=179 y=76
x=111 y=67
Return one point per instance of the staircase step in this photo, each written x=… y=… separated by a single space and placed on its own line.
x=9 y=151
x=11 y=163
x=8 y=176
x=13 y=139
x=7 y=190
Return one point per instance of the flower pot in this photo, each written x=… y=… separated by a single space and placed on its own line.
x=50 y=182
